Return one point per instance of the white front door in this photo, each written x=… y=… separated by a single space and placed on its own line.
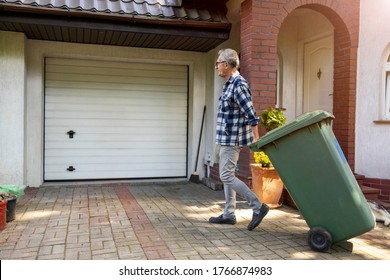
x=111 y=120
x=318 y=75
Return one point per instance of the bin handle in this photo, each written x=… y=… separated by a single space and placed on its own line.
x=276 y=146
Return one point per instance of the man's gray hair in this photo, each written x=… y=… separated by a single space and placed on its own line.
x=230 y=56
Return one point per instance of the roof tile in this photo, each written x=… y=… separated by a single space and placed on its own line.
x=150 y=8
x=189 y=25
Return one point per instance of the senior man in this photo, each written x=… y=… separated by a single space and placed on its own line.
x=237 y=126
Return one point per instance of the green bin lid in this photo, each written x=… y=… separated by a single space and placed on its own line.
x=301 y=121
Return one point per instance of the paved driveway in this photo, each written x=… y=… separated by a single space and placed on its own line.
x=154 y=221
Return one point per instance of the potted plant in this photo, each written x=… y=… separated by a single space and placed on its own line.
x=272 y=118
x=3 y=212
x=266 y=182
x=10 y=204
x=262 y=159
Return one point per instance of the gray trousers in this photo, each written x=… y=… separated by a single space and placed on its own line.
x=228 y=157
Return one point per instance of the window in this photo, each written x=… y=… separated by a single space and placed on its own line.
x=386 y=87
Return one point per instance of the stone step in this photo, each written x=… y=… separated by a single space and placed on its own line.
x=370 y=193
x=385 y=204
x=373 y=194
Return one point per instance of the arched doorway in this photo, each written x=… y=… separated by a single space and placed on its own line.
x=305 y=45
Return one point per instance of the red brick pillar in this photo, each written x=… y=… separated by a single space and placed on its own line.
x=258 y=60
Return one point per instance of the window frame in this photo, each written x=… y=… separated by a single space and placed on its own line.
x=386 y=89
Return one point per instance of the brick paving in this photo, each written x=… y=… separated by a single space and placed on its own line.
x=154 y=221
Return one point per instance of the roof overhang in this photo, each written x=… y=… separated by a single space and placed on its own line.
x=113 y=29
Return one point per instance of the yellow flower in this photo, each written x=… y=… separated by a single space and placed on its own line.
x=262 y=158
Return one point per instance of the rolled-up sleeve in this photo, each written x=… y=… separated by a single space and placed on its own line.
x=243 y=97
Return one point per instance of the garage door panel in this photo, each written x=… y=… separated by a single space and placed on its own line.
x=119 y=159
x=99 y=111
x=107 y=70
x=122 y=125
x=102 y=123
x=124 y=80
x=112 y=65
x=98 y=144
x=96 y=97
x=156 y=133
x=124 y=115
x=119 y=137
x=109 y=86
x=115 y=167
x=163 y=107
x=116 y=153
x=108 y=115
x=123 y=94
x=80 y=104
x=115 y=68
x=147 y=91
x=55 y=72
x=115 y=174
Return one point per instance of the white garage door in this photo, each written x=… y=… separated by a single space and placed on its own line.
x=111 y=120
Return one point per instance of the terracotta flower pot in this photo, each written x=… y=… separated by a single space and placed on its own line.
x=3 y=213
x=267 y=185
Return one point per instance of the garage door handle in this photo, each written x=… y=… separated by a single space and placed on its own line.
x=71 y=133
x=71 y=168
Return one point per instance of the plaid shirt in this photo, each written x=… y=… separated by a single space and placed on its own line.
x=236 y=114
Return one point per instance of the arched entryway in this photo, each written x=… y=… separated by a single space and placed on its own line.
x=305 y=63
x=263 y=24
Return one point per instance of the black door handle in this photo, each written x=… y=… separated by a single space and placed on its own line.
x=71 y=133
x=71 y=168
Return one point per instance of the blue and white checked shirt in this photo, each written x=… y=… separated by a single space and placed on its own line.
x=236 y=114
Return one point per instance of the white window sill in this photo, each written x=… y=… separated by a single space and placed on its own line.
x=382 y=121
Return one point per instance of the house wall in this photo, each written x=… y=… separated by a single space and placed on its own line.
x=27 y=167
x=12 y=104
x=372 y=138
x=260 y=27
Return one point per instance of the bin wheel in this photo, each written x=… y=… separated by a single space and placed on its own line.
x=319 y=239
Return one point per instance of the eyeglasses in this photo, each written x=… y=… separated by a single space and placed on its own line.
x=219 y=62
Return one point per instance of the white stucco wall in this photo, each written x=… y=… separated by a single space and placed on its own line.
x=22 y=99
x=12 y=114
x=372 y=139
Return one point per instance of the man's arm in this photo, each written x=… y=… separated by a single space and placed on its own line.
x=255 y=130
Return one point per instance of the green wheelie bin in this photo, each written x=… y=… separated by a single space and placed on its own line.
x=315 y=172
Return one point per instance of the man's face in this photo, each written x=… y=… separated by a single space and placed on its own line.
x=222 y=68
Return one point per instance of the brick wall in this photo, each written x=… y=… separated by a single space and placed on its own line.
x=214 y=173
